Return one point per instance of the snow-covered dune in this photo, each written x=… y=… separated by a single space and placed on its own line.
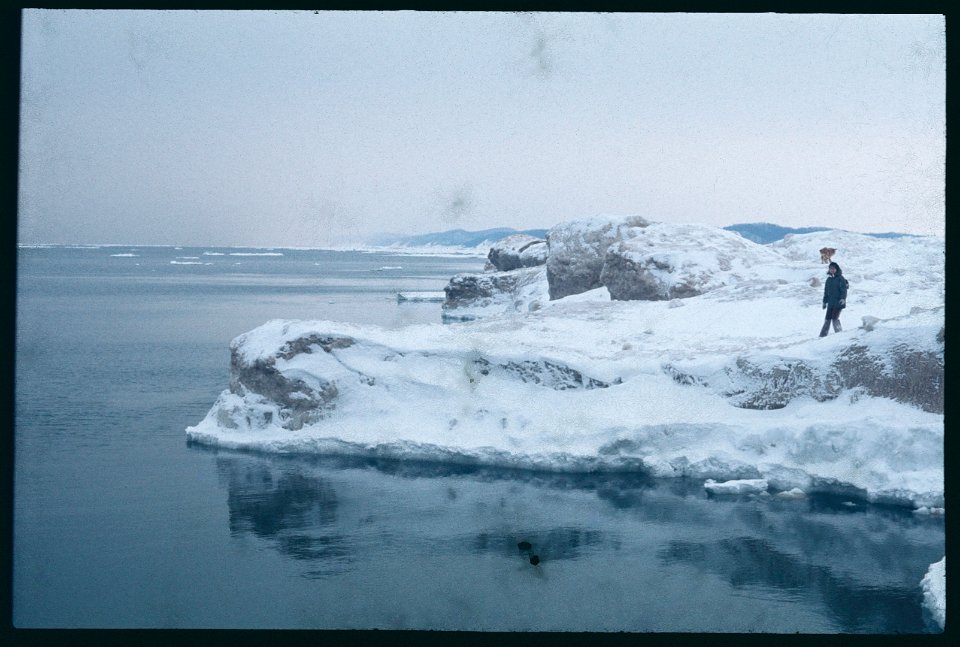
x=728 y=384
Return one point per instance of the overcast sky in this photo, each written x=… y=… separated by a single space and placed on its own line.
x=308 y=129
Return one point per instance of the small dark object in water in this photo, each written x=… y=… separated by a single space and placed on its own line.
x=524 y=545
x=535 y=560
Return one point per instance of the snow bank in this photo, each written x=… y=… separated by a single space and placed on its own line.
x=729 y=385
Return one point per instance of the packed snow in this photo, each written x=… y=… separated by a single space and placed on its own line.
x=671 y=387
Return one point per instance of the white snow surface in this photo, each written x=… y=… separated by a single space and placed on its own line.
x=422 y=392
x=736 y=486
x=934 y=585
x=700 y=256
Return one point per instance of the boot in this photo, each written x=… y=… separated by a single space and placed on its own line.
x=836 y=325
x=825 y=329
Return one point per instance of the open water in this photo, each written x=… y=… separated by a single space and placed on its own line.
x=119 y=523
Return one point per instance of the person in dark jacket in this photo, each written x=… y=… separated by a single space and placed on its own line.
x=834 y=298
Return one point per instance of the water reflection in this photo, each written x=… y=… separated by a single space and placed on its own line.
x=550 y=545
x=294 y=510
x=818 y=564
x=750 y=563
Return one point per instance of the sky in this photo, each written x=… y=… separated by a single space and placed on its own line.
x=303 y=129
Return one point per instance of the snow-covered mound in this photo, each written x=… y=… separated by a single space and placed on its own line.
x=577 y=249
x=732 y=384
x=516 y=251
x=470 y=296
x=667 y=261
x=934 y=585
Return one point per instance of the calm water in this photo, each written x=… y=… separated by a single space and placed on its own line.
x=120 y=523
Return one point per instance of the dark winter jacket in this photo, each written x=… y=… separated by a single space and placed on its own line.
x=835 y=290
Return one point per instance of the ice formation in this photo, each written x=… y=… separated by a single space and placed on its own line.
x=934 y=585
x=727 y=382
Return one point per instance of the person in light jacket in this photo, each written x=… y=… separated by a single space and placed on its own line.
x=834 y=298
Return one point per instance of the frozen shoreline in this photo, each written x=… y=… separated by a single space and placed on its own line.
x=731 y=384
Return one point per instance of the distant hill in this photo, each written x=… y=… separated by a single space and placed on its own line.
x=758 y=232
x=453 y=238
x=765 y=232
